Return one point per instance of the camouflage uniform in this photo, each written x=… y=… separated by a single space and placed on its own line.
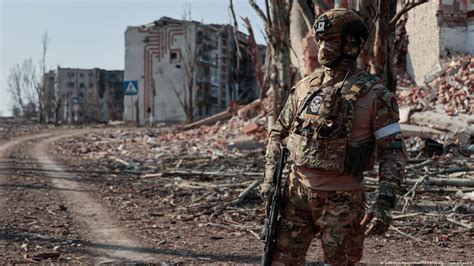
x=334 y=137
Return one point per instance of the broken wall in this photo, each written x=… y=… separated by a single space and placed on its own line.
x=424 y=40
x=134 y=70
x=470 y=37
x=438 y=29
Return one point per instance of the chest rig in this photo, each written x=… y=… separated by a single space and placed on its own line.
x=322 y=126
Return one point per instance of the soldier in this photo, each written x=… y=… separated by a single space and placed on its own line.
x=333 y=136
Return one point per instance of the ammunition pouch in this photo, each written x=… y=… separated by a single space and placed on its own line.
x=315 y=153
x=359 y=158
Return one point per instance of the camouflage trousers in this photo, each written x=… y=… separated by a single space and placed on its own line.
x=335 y=215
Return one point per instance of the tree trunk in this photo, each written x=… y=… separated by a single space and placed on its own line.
x=366 y=9
x=298 y=31
x=277 y=21
x=280 y=78
x=382 y=63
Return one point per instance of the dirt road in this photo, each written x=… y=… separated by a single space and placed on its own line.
x=102 y=239
x=77 y=209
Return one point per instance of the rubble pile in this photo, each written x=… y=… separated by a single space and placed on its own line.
x=452 y=87
x=404 y=81
x=11 y=127
x=156 y=149
x=170 y=179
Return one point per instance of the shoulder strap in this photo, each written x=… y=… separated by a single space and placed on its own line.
x=304 y=89
x=333 y=82
x=361 y=83
x=307 y=84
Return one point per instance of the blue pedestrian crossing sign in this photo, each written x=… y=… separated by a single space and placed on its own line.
x=130 y=87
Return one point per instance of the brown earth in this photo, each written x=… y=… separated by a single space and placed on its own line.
x=69 y=203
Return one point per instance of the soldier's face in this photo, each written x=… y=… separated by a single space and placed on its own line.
x=329 y=48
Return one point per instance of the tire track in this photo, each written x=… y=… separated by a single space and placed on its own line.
x=4 y=149
x=107 y=239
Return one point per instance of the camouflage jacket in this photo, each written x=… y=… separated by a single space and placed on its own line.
x=386 y=133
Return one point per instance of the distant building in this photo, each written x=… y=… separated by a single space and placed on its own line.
x=158 y=57
x=436 y=30
x=84 y=95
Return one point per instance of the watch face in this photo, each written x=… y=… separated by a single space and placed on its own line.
x=314 y=105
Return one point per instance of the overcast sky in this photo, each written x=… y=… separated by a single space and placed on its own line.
x=90 y=33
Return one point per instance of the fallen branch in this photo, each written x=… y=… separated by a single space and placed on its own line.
x=412 y=237
x=455 y=170
x=253 y=233
x=398 y=217
x=204 y=173
x=238 y=200
x=459 y=223
x=456 y=182
x=418 y=165
x=428 y=206
x=244 y=193
x=210 y=120
x=410 y=195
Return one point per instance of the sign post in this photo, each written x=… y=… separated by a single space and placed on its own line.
x=130 y=88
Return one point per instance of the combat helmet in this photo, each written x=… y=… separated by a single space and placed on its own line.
x=347 y=23
x=340 y=20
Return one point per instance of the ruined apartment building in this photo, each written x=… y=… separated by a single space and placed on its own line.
x=437 y=30
x=85 y=95
x=159 y=60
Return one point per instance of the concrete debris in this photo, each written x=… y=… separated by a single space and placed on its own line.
x=450 y=86
x=251 y=128
x=422 y=132
x=460 y=126
x=11 y=127
x=150 y=150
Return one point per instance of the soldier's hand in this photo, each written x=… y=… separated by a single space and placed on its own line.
x=377 y=221
x=266 y=192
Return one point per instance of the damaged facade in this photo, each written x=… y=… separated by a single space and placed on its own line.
x=437 y=30
x=84 y=95
x=167 y=57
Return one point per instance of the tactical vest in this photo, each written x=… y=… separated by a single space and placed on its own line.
x=321 y=129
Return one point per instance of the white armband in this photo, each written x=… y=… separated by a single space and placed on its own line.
x=387 y=131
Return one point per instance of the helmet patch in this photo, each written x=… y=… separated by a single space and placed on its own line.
x=321 y=25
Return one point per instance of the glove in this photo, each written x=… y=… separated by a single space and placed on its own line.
x=378 y=220
x=266 y=187
x=266 y=191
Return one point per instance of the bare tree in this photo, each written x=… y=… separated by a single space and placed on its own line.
x=42 y=84
x=303 y=44
x=22 y=82
x=380 y=50
x=235 y=30
x=277 y=20
x=255 y=58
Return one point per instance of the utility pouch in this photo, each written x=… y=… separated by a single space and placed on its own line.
x=318 y=154
x=359 y=157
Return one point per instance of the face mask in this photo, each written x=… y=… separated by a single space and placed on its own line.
x=329 y=52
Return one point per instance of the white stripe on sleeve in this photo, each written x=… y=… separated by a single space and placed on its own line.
x=387 y=131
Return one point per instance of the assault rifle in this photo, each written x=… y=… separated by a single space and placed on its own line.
x=269 y=230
